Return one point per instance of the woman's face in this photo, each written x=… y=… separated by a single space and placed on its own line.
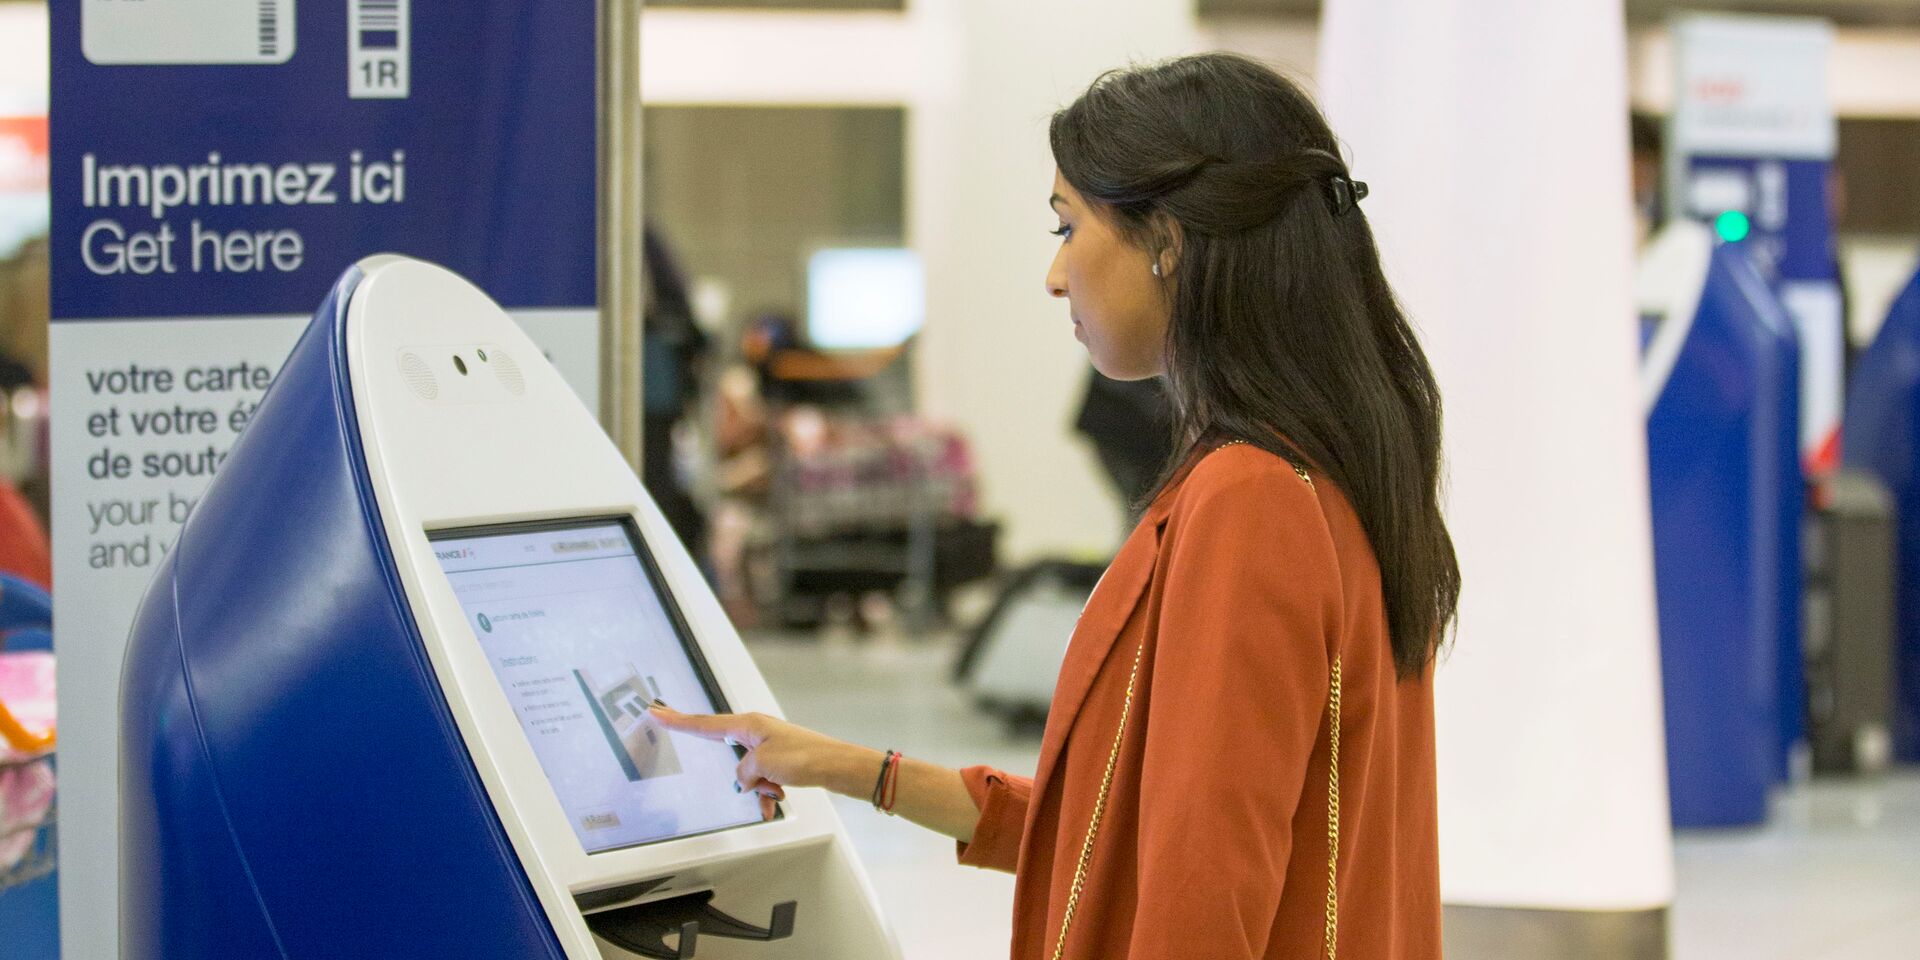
x=1119 y=306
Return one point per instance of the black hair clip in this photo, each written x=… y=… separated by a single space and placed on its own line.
x=1345 y=192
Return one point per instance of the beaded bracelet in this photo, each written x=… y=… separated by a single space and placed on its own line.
x=880 y=785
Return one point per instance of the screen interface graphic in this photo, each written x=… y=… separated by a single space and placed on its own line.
x=575 y=629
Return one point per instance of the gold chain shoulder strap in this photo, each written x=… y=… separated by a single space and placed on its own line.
x=1333 y=787
x=1333 y=808
x=1113 y=760
x=1099 y=810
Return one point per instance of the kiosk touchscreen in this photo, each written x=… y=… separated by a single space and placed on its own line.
x=582 y=637
x=387 y=695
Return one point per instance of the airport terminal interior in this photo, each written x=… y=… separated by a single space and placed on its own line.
x=845 y=462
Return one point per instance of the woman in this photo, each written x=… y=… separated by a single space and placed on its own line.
x=1239 y=758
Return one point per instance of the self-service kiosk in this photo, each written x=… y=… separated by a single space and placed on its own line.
x=1719 y=385
x=386 y=697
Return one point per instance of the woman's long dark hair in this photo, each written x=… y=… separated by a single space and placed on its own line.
x=1283 y=331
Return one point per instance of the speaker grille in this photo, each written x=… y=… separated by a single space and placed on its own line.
x=419 y=376
x=508 y=372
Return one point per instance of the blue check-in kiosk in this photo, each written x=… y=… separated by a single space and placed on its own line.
x=1882 y=435
x=1720 y=386
x=387 y=696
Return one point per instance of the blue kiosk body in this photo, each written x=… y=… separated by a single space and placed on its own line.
x=277 y=699
x=1727 y=498
x=320 y=757
x=1882 y=435
x=1782 y=535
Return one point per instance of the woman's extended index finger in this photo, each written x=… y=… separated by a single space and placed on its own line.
x=717 y=726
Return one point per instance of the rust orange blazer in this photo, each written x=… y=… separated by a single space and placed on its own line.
x=1241 y=588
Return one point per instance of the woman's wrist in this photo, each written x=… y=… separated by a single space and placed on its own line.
x=852 y=771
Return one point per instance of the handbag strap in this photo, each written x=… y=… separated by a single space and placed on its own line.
x=1113 y=760
x=1333 y=808
x=1099 y=810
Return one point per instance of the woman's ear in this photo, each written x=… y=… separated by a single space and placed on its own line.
x=1167 y=245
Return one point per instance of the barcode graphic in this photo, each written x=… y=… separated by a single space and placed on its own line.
x=181 y=32
x=379 y=24
x=378 y=58
x=269 y=27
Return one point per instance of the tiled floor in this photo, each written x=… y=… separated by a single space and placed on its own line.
x=1835 y=875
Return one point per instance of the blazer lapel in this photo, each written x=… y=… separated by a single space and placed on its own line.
x=1105 y=615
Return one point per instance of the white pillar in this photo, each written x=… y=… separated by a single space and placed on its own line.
x=1494 y=135
x=998 y=356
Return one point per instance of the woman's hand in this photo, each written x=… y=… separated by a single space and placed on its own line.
x=779 y=754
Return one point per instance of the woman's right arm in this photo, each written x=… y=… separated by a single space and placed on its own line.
x=781 y=754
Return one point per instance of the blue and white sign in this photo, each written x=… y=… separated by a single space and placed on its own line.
x=1752 y=141
x=194 y=179
x=215 y=165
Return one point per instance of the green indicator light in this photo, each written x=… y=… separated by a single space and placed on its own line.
x=1733 y=226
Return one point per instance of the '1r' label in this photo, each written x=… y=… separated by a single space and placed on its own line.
x=377 y=49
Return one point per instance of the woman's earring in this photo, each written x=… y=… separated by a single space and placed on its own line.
x=1156 y=269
